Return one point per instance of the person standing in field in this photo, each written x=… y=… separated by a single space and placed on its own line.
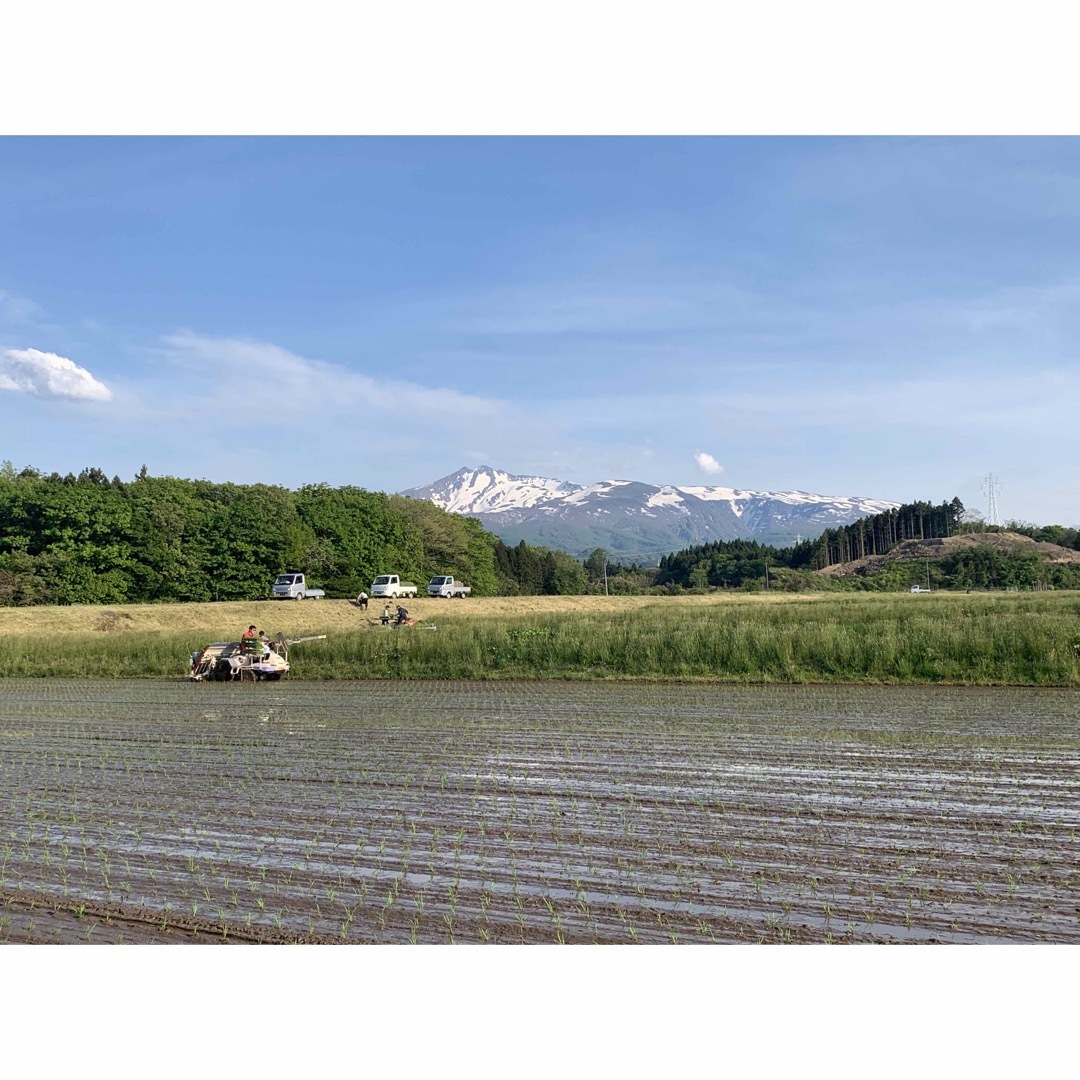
x=385 y=614
x=362 y=601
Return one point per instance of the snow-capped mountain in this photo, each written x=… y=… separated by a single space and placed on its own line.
x=486 y=490
x=634 y=518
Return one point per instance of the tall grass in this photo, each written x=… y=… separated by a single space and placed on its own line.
x=1030 y=639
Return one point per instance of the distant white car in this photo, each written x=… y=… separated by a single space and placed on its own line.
x=917 y=588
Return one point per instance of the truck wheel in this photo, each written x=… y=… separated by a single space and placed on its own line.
x=299 y=596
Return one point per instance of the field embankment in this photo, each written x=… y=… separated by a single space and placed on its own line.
x=1027 y=639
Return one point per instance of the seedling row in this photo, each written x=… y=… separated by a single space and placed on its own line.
x=502 y=812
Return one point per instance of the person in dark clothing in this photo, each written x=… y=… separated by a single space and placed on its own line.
x=402 y=615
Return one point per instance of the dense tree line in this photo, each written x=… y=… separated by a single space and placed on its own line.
x=879 y=533
x=748 y=565
x=92 y=539
x=525 y=570
x=616 y=578
x=723 y=564
x=734 y=563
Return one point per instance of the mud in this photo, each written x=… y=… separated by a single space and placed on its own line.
x=496 y=812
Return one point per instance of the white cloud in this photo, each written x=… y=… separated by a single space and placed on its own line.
x=708 y=464
x=47 y=375
x=265 y=378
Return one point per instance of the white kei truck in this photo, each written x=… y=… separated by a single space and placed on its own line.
x=448 y=587
x=293 y=587
x=391 y=587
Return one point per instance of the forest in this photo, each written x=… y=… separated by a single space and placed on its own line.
x=87 y=538
x=731 y=563
x=749 y=565
x=91 y=539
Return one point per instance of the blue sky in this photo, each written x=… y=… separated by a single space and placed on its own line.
x=886 y=317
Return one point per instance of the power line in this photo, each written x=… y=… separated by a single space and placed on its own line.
x=616 y=556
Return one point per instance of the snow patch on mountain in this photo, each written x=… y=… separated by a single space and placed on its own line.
x=486 y=490
x=561 y=512
x=666 y=496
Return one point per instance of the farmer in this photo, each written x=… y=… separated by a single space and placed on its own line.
x=402 y=615
x=265 y=642
x=385 y=618
x=250 y=645
x=362 y=601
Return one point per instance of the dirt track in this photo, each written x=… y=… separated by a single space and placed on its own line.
x=438 y=812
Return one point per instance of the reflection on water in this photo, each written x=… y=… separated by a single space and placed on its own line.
x=550 y=811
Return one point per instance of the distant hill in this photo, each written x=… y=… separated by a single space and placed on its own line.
x=1009 y=544
x=635 y=518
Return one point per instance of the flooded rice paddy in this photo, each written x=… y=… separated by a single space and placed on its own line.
x=540 y=812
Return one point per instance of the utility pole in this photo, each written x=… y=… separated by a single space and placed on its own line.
x=605 y=575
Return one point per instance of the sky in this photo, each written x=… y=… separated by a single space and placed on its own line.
x=888 y=317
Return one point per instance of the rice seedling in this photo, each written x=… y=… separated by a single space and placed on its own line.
x=663 y=848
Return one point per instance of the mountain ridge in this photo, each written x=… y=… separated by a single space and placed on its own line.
x=632 y=518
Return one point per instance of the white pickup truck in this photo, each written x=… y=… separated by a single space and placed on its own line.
x=448 y=587
x=391 y=587
x=294 y=587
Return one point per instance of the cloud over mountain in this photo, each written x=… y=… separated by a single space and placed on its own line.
x=47 y=375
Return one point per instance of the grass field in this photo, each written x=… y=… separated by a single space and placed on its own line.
x=1018 y=639
x=292 y=617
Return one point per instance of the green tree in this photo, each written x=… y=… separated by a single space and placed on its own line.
x=596 y=565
